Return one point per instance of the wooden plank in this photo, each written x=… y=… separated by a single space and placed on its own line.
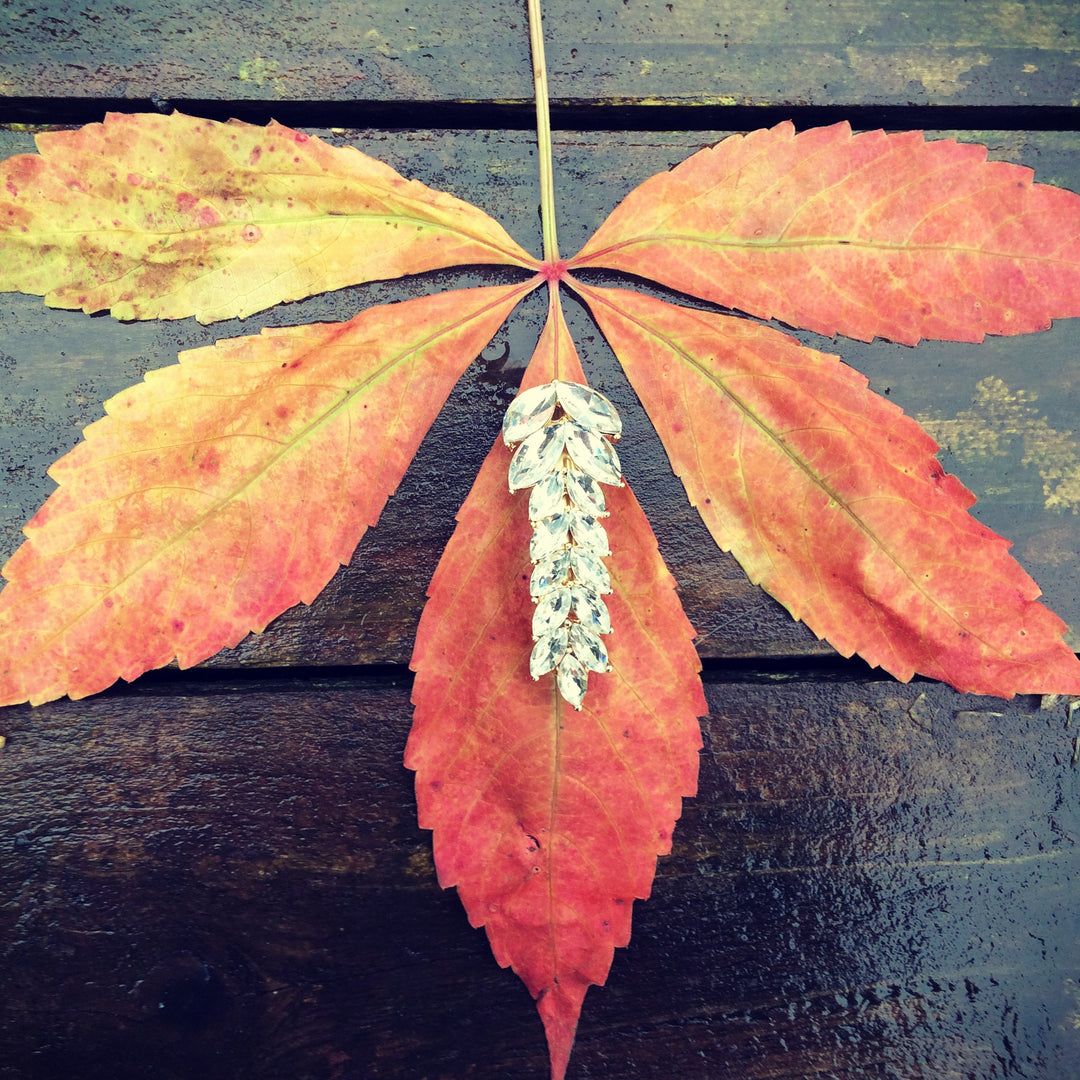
x=768 y=52
x=1005 y=409
x=226 y=880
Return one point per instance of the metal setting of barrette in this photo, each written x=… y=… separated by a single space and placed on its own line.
x=565 y=455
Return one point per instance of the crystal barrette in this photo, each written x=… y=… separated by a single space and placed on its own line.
x=564 y=455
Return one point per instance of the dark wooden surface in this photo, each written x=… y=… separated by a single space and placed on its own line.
x=770 y=52
x=218 y=873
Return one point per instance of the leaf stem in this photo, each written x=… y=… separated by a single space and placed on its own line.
x=543 y=134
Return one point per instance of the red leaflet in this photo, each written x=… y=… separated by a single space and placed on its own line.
x=832 y=500
x=549 y=820
x=224 y=490
x=167 y=216
x=866 y=235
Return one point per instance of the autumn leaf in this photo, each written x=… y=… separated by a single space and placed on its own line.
x=833 y=501
x=225 y=489
x=161 y=217
x=864 y=235
x=549 y=820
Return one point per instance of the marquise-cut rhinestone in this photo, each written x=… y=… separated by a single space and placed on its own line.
x=593 y=454
x=572 y=679
x=588 y=533
x=528 y=412
x=552 y=611
x=564 y=457
x=591 y=611
x=549 y=535
x=548 y=651
x=584 y=492
x=589 y=570
x=548 y=497
x=551 y=572
x=588 y=648
x=589 y=408
x=537 y=455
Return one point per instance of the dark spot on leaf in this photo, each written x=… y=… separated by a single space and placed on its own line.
x=251 y=233
x=177 y=625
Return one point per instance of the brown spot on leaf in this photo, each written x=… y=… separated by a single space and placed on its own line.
x=251 y=233
x=185 y=202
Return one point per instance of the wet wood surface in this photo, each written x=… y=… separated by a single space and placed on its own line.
x=860 y=52
x=217 y=874
x=224 y=879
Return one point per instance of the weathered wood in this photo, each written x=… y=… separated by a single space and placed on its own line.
x=223 y=880
x=1005 y=410
x=864 y=52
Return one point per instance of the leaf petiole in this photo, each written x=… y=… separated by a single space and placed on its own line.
x=543 y=134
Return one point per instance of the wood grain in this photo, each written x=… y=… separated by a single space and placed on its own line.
x=989 y=53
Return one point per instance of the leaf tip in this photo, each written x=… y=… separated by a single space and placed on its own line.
x=559 y=1008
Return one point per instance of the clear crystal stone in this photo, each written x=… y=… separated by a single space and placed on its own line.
x=548 y=651
x=591 y=611
x=588 y=648
x=589 y=570
x=551 y=572
x=572 y=679
x=549 y=534
x=537 y=455
x=588 y=533
x=528 y=412
x=551 y=612
x=589 y=408
x=548 y=496
x=592 y=454
x=584 y=492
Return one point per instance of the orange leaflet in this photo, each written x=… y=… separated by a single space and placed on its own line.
x=161 y=217
x=549 y=820
x=225 y=489
x=866 y=235
x=832 y=500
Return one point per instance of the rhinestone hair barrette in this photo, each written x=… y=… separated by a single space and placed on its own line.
x=564 y=455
